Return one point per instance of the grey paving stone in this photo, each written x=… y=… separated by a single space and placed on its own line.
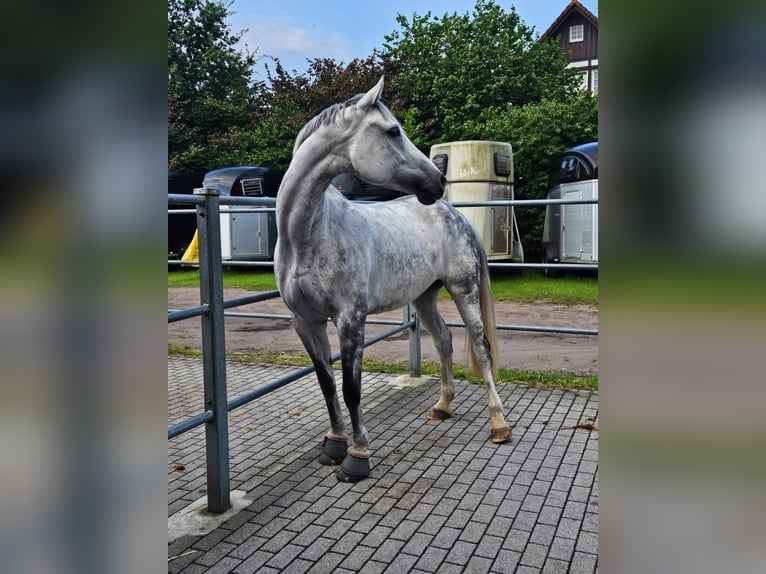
x=431 y=558
x=284 y=556
x=554 y=566
x=377 y=536
x=549 y=515
x=405 y=530
x=534 y=555
x=224 y=566
x=348 y=542
x=401 y=564
x=587 y=542
x=433 y=525
x=393 y=518
x=215 y=554
x=516 y=540
x=316 y=549
x=574 y=509
x=489 y=546
x=583 y=563
x=327 y=563
x=543 y=534
x=254 y=563
x=561 y=548
x=460 y=553
x=506 y=561
x=388 y=550
x=525 y=520
x=446 y=537
x=499 y=526
x=473 y=532
x=298 y=566
x=441 y=497
x=478 y=565
x=359 y=558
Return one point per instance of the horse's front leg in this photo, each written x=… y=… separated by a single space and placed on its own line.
x=356 y=465
x=314 y=338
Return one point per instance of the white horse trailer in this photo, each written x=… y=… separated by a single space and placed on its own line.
x=570 y=232
x=246 y=236
x=483 y=171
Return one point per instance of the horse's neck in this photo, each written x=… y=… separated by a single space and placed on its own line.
x=300 y=200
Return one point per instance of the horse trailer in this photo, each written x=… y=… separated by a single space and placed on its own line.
x=483 y=171
x=246 y=236
x=570 y=232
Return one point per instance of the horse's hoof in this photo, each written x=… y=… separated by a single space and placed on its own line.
x=501 y=435
x=355 y=467
x=333 y=451
x=439 y=415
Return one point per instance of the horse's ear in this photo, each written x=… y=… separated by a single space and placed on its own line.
x=369 y=99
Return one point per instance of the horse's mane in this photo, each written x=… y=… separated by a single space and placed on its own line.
x=326 y=116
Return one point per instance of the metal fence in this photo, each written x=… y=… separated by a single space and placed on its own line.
x=212 y=310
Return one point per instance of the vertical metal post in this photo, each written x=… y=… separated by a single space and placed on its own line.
x=213 y=351
x=414 y=333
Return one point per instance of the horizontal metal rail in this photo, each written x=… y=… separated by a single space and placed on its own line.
x=190 y=424
x=226 y=262
x=247 y=299
x=182 y=198
x=177 y=198
x=523 y=202
x=300 y=373
x=373 y=321
x=492 y=265
x=574 y=266
x=181 y=314
x=235 y=210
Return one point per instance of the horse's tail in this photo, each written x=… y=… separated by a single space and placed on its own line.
x=487 y=304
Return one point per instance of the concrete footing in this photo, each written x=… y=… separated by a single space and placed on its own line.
x=195 y=520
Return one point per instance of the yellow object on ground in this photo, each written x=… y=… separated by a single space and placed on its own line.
x=192 y=252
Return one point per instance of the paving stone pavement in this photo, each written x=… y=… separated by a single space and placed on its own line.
x=441 y=497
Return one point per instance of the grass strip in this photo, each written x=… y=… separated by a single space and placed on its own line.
x=527 y=287
x=537 y=379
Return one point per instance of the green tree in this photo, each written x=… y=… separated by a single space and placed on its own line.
x=539 y=132
x=290 y=102
x=446 y=71
x=209 y=88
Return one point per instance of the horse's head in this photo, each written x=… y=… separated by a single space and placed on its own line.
x=382 y=154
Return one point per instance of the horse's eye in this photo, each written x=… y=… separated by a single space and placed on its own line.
x=395 y=132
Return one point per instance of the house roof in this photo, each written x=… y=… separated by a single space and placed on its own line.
x=573 y=6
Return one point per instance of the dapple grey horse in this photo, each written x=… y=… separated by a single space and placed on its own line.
x=342 y=261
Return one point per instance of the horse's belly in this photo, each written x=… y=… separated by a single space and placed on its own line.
x=395 y=296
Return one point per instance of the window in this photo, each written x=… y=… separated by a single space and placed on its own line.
x=576 y=33
x=595 y=81
x=583 y=80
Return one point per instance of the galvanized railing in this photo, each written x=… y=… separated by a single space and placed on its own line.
x=211 y=310
x=212 y=307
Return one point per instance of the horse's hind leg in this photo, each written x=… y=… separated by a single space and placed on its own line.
x=470 y=311
x=314 y=338
x=429 y=315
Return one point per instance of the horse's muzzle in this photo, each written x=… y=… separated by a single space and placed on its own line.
x=429 y=196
